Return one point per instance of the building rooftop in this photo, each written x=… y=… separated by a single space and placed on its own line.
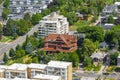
x=59 y=64
x=38 y=66
x=98 y=55
x=53 y=17
x=119 y=56
x=17 y=66
x=46 y=77
x=117 y=3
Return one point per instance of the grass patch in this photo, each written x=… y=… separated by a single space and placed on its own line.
x=23 y=60
x=93 y=67
x=79 y=24
x=6 y=39
x=75 y=69
x=111 y=68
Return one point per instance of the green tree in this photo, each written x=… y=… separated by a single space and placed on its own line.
x=93 y=32
x=1 y=31
x=27 y=17
x=6 y=3
x=74 y=59
x=110 y=19
x=87 y=61
x=12 y=53
x=28 y=47
x=5 y=58
x=8 y=30
x=35 y=60
x=71 y=17
x=20 y=53
x=36 y=18
x=22 y=27
x=5 y=13
x=113 y=58
x=34 y=42
x=87 y=48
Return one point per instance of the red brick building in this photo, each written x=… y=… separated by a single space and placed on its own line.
x=54 y=43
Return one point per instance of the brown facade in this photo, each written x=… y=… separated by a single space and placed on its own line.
x=54 y=43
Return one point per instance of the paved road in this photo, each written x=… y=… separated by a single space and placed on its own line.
x=6 y=47
x=112 y=75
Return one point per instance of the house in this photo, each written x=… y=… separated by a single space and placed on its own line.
x=20 y=6
x=19 y=9
x=109 y=9
x=59 y=68
x=98 y=57
x=103 y=45
x=108 y=26
x=54 y=43
x=53 y=24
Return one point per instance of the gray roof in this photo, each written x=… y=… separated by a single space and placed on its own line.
x=98 y=55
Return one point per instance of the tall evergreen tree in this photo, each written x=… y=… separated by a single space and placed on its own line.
x=28 y=47
x=5 y=58
x=12 y=53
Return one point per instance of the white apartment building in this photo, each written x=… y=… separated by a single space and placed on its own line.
x=16 y=70
x=54 y=70
x=46 y=77
x=53 y=24
x=36 y=69
x=58 y=68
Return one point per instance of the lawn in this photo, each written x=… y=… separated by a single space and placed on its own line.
x=111 y=68
x=6 y=39
x=80 y=23
x=92 y=67
x=25 y=59
x=109 y=1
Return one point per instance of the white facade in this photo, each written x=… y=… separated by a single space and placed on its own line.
x=47 y=77
x=54 y=70
x=58 y=68
x=53 y=24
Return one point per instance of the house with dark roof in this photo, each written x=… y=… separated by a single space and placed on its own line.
x=54 y=43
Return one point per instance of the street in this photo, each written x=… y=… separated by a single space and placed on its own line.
x=116 y=76
x=4 y=47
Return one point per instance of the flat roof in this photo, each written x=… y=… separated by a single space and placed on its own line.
x=53 y=17
x=117 y=3
x=17 y=66
x=49 y=77
x=59 y=64
x=38 y=66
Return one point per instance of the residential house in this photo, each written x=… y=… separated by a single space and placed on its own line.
x=54 y=43
x=53 y=24
x=110 y=9
x=20 y=6
x=98 y=57
x=103 y=45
